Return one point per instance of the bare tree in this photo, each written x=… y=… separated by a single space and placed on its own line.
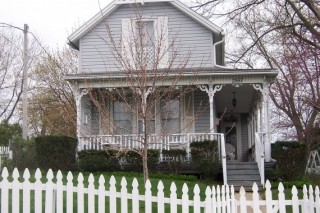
x=148 y=86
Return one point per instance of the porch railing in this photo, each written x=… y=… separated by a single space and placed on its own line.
x=161 y=142
x=259 y=154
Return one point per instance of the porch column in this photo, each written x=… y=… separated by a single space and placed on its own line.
x=78 y=94
x=264 y=89
x=211 y=90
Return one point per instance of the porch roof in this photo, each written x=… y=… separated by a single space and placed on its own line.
x=195 y=76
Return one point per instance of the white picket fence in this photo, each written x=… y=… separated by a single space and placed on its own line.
x=60 y=194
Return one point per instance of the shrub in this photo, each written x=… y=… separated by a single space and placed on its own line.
x=133 y=160
x=205 y=157
x=99 y=160
x=56 y=152
x=291 y=159
x=174 y=159
x=24 y=154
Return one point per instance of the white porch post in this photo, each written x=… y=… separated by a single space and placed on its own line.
x=211 y=90
x=264 y=89
x=78 y=94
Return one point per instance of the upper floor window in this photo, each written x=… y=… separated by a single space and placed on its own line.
x=145 y=43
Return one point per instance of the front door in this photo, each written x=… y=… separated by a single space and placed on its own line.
x=232 y=139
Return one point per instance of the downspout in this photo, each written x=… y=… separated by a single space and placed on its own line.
x=214 y=52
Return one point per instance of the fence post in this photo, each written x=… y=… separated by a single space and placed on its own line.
x=214 y=200
x=305 y=200
x=148 y=207
x=255 y=198
x=281 y=198
x=207 y=201
x=317 y=198
x=243 y=200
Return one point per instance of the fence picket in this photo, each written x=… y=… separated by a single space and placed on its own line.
x=228 y=199
x=268 y=201
x=295 y=203
x=217 y=199
x=208 y=205
x=255 y=198
x=69 y=193
x=5 y=191
x=101 y=195
x=223 y=199
x=243 y=200
x=317 y=198
x=305 y=200
x=281 y=198
x=173 y=198
x=16 y=192
x=185 y=199
x=91 y=206
x=80 y=194
x=148 y=203
x=26 y=191
x=59 y=192
x=124 y=196
x=214 y=200
x=196 y=199
x=160 y=197
x=113 y=195
x=135 y=196
x=311 y=199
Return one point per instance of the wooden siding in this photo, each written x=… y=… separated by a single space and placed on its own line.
x=201 y=105
x=244 y=136
x=188 y=35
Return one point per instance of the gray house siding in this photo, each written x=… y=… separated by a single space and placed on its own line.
x=201 y=105
x=188 y=36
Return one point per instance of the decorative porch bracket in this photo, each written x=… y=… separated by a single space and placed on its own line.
x=144 y=93
x=264 y=89
x=78 y=94
x=211 y=90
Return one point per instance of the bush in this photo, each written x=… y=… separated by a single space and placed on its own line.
x=174 y=159
x=291 y=157
x=205 y=157
x=99 y=160
x=24 y=154
x=56 y=152
x=133 y=160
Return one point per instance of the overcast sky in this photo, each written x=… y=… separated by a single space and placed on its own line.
x=51 y=20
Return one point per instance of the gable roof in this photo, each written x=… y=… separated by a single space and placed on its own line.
x=76 y=35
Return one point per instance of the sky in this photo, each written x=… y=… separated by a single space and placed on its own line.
x=50 y=20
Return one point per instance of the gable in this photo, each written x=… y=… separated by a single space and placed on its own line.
x=113 y=6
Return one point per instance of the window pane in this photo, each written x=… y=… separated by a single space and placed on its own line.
x=170 y=116
x=122 y=118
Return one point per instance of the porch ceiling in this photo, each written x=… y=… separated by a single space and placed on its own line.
x=245 y=96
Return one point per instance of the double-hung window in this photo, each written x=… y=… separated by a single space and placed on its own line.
x=170 y=116
x=122 y=117
x=145 y=43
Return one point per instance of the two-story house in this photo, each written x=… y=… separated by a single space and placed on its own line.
x=155 y=69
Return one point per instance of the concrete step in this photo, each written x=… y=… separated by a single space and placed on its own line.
x=243 y=174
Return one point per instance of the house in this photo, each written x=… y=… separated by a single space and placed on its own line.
x=154 y=70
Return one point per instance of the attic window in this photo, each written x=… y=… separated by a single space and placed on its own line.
x=145 y=42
